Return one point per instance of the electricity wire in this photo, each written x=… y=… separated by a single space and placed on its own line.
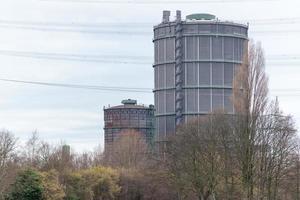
x=296 y=91
x=77 y=86
x=270 y=21
x=79 y=57
x=125 y=59
x=55 y=29
x=124 y=32
x=110 y=28
x=156 y=1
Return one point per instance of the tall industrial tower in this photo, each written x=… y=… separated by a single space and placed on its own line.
x=194 y=65
x=127 y=117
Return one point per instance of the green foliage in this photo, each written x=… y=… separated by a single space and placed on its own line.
x=92 y=184
x=52 y=188
x=28 y=186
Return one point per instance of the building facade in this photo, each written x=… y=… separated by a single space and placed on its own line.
x=194 y=66
x=127 y=117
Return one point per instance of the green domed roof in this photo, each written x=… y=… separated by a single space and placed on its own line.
x=201 y=16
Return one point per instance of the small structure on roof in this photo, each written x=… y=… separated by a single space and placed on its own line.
x=200 y=16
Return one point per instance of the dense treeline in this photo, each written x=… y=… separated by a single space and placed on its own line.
x=251 y=155
x=48 y=172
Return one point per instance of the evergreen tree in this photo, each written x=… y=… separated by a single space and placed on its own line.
x=28 y=186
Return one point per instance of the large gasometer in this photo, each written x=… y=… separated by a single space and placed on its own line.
x=194 y=66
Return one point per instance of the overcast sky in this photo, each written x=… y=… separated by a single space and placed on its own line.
x=75 y=116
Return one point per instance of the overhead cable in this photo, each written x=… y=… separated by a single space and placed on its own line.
x=77 y=86
x=157 y=1
x=124 y=59
x=80 y=57
x=295 y=91
x=131 y=32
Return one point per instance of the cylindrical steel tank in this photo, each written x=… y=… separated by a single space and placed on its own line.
x=194 y=65
x=127 y=117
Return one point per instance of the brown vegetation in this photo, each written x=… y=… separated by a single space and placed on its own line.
x=253 y=154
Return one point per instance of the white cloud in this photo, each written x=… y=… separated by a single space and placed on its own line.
x=76 y=116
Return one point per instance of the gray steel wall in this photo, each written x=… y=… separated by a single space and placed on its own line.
x=118 y=120
x=210 y=52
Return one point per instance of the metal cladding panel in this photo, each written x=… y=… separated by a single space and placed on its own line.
x=228 y=74
x=190 y=28
x=162 y=102
x=170 y=125
x=184 y=71
x=192 y=50
x=161 y=31
x=204 y=47
x=170 y=75
x=217 y=74
x=184 y=44
x=192 y=100
x=170 y=46
x=205 y=28
x=217 y=99
x=204 y=74
x=228 y=48
x=156 y=102
x=204 y=100
x=165 y=127
x=217 y=48
x=161 y=121
x=156 y=77
x=184 y=101
x=228 y=106
x=228 y=29
x=161 y=50
x=244 y=31
x=156 y=52
x=209 y=52
x=238 y=46
x=161 y=76
x=191 y=74
x=170 y=101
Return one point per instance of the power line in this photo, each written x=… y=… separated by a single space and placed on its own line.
x=121 y=32
x=101 y=28
x=271 y=21
x=57 y=29
x=77 y=24
x=274 y=21
x=124 y=89
x=79 y=57
x=121 y=59
x=287 y=90
x=76 y=86
x=155 y=1
x=98 y=25
x=284 y=56
x=285 y=32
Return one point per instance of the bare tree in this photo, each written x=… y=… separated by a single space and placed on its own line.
x=83 y=160
x=7 y=150
x=240 y=156
x=289 y=188
x=194 y=158
x=32 y=147
x=275 y=145
x=262 y=134
x=97 y=156
x=250 y=96
x=130 y=150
